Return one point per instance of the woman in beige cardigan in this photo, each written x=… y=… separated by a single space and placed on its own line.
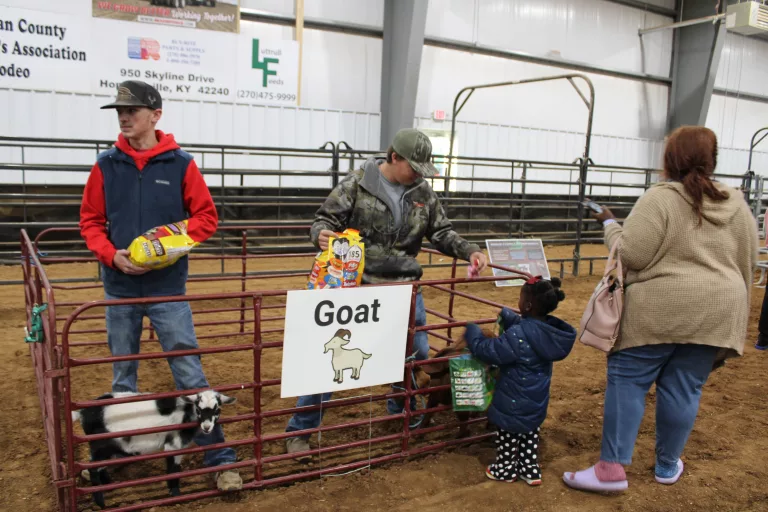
x=689 y=246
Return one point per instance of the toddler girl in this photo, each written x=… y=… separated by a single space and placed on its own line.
x=524 y=354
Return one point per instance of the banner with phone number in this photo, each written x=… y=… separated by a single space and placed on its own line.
x=45 y=50
x=195 y=65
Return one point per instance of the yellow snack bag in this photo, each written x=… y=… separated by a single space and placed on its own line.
x=341 y=265
x=317 y=277
x=162 y=246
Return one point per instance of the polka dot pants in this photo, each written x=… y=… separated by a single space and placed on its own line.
x=517 y=456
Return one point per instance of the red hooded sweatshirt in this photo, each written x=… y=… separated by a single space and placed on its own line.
x=203 y=218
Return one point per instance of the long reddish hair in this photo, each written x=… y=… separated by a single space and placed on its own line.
x=690 y=157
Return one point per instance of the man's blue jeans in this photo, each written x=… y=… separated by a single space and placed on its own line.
x=679 y=372
x=311 y=419
x=175 y=330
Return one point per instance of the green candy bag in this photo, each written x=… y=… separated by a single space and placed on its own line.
x=472 y=382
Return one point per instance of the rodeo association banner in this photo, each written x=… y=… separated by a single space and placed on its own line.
x=44 y=50
x=217 y=15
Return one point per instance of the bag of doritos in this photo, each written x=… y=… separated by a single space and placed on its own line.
x=162 y=246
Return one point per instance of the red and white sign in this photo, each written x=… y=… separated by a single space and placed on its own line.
x=438 y=115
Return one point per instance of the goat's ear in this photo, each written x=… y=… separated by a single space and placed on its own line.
x=189 y=399
x=226 y=400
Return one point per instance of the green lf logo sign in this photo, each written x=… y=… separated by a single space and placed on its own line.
x=263 y=65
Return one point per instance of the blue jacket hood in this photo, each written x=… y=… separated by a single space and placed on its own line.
x=554 y=338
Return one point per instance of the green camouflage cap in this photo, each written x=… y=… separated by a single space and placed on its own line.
x=416 y=148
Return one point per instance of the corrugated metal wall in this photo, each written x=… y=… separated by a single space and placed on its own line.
x=342 y=77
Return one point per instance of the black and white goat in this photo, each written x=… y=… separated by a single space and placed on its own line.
x=202 y=408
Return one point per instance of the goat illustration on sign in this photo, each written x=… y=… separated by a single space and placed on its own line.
x=345 y=359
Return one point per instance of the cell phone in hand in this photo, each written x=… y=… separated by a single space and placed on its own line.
x=593 y=206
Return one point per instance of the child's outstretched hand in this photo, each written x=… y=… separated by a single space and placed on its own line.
x=477 y=263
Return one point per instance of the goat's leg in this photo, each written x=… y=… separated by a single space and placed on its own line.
x=173 y=465
x=432 y=401
x=96 y=479
x=463 y=428
x=105 y=479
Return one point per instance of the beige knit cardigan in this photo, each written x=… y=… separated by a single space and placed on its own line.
x=686 y=283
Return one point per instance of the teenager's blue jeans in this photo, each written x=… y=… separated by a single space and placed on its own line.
x=679 y=372
x=311 y=419
x=175 y=330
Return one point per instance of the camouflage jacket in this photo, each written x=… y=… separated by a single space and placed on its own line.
x=390 y=252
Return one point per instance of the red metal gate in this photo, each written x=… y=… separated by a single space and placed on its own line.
x=54 y=363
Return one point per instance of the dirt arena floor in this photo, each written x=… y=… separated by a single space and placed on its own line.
x=725 y=470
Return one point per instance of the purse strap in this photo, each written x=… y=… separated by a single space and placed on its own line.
x=614 y=263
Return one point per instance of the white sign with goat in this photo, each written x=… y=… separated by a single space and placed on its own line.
x=344 y=338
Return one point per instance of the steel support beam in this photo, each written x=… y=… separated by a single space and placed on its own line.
x=697 y=51
x=645 y=6
x=404 y=24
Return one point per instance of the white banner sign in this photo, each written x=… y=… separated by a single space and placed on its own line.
x=44 y=51
x=267 y=71
x=49 y=51
x=337 y=339
x=179 y=63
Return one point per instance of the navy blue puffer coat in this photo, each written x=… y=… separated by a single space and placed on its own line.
x=524 y=354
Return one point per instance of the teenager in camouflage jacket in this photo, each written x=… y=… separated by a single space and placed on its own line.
x=390 y=252
x=394 y=209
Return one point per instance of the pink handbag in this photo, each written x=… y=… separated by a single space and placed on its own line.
x=601 y=320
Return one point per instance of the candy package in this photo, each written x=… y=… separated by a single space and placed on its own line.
x=472 y=384
x=341 y=265
x=162 y=246
x=472 y=381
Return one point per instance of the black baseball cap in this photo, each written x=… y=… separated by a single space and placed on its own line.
x=133 y=93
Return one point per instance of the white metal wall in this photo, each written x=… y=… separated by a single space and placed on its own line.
x=743 y=65
x=342 y=76
x=626 y=108
x=596 y=32
x=735 y=120
x=542 y=145
x=742 y=70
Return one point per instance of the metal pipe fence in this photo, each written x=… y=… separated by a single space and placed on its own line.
x=59 y=354
x=484 y=197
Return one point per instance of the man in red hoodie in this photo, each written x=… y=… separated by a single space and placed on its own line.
x=145 y=181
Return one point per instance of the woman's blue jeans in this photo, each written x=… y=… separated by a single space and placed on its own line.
x=679 y=372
